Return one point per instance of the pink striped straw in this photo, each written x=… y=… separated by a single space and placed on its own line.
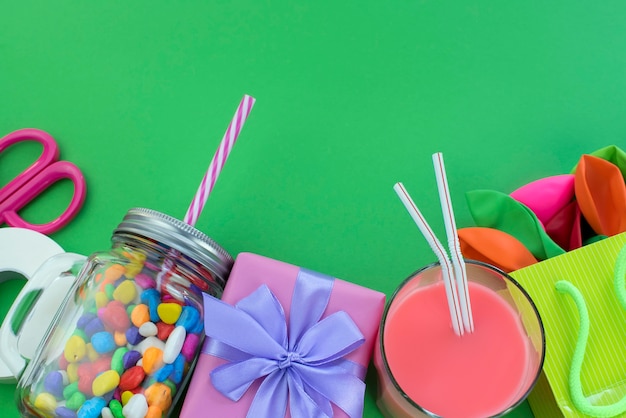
x=219 y=159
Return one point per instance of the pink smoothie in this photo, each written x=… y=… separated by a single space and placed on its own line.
x=476 y=375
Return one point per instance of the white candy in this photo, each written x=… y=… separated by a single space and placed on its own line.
x=149 y=342
x=174 y=344
x=137 y=407
x=106 y=413
x=148 y=329
x=139 y=289
x=66 y=379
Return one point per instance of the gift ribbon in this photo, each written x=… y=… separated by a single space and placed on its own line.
x=575 y=386
x=302 y=363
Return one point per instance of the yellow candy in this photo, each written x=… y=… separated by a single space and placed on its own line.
x=92 y=354
x=169 y=312
x=133 y=269
x=125 y=292
x=75 y=349
x=105 y=382
x=137 y=261
x=72 y=372
x=101 y=299
x=126 y=395
x=46 y=402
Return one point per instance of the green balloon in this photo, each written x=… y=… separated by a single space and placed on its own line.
x=492 y=209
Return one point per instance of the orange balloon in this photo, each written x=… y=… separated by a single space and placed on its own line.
x=601 y=195
x=494 y=247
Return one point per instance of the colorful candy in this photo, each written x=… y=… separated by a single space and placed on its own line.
x=103 y=342
x=74 y=349
x=46 y=402
x=54 y=383
x=105 y=382
x=148 y=329
x=128 y=353
x=64 y=412
x=169 y=312
x=91 y=408
x=136 y=407
x=174 y=344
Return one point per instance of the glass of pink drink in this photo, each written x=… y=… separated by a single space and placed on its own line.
x=426 y=370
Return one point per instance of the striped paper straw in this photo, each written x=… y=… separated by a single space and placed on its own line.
x=440 y=252
x=454 y=246
x=219 y=159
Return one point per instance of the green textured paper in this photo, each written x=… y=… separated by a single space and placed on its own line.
x=352 y=96
x=590 y=269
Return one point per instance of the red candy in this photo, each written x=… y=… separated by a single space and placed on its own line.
x=101 y=365
x=164 y=330
x=132 y=378
x=85 y=383
x=114 y=316
x=84 y=369
x=167 y=298
x=63 y=363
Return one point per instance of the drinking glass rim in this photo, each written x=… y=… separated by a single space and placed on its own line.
x=489 y=267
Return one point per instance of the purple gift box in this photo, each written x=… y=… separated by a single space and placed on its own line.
x=284 y=341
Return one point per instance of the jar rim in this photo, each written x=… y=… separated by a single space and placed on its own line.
x=178 y=235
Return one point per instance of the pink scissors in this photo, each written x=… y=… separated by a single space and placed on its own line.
x=40 y=175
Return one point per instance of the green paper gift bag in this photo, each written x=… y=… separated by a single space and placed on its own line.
x=603 y=377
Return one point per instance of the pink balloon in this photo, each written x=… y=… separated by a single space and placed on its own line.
x=548 y=196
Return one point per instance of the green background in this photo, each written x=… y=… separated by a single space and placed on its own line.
x=351 y=98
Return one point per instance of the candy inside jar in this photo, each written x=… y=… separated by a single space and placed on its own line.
x=128 y=334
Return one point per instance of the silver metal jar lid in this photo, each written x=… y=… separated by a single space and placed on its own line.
x=178 y=235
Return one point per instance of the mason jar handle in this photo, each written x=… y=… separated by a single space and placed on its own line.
x=29 y=317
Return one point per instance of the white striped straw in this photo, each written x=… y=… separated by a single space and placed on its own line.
x=454 y=246
x=219 y=159
x=435 y=245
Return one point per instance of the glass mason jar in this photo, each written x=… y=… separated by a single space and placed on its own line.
x=126 y=337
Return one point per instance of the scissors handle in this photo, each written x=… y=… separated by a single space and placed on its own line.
x=49 y=155
x=49 y=175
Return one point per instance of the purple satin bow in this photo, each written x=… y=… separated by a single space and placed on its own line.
x=304 y=364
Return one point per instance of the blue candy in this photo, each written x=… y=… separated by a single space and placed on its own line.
x=152 y=298
x=189 y=318
x=198 y=328
x=131 y=358
x=92 y=408
x=85 y=319
x=53 y=384
x=162 y=374
x=133 y=336
x=103 y=342
x=63 y=412
x=179 y=369
x=94 y=326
